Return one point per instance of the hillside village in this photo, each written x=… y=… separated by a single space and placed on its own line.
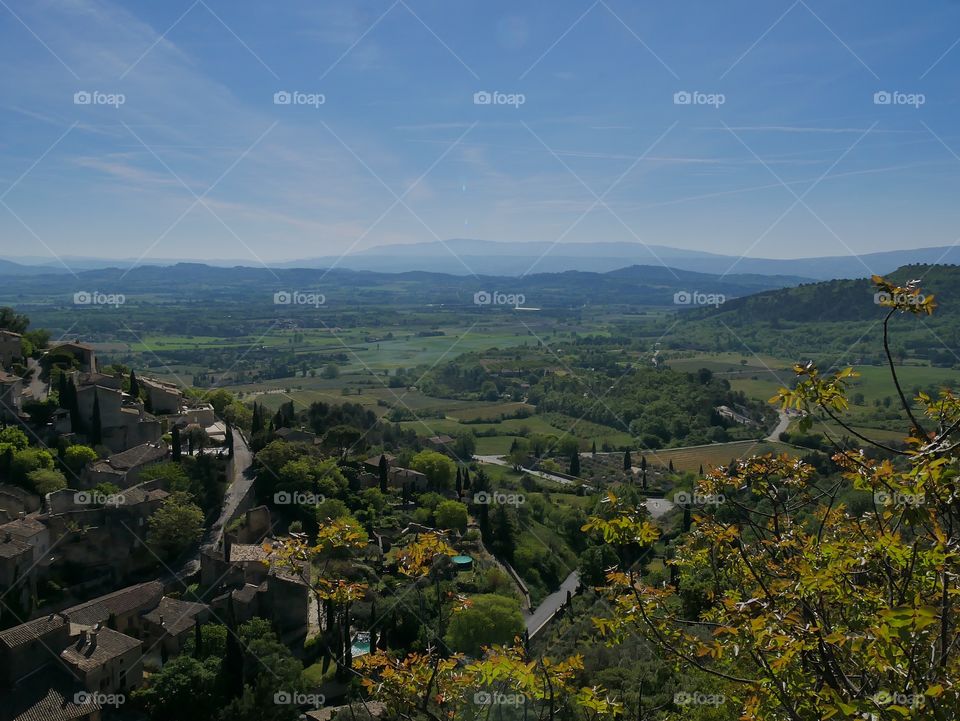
x=95 y=462
x=75 y=619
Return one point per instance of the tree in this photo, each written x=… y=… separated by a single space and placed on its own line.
x=438 y=468
x=12 y=321
x=503 y=533
x=96 y=425
x=627 y=462
x=575 y=464
x=176 y=525
x=185 y=689
x=26 y=461
x=805 y=610
x=593 y=449
x=489 y=620
x=176 y=443
x=383 y=470
x=76 y=457
x=330 y=371
x=643 y=471
x=452 y=515
x=134 y=384
x=46 y=480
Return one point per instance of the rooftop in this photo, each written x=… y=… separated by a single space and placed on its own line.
x=31 y=630
x=175 y=615
x=47 y=697
x=22 y=528
x=132 y=458
x=119 y=602
x=94 y=649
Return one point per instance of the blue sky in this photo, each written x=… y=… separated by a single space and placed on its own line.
x=200 y=162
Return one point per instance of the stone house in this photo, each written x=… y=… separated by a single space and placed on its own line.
x=172 y=622
x=123 y=469
x=124 y=423
x=105 y=661
x=83 y=353
x=162 y=398
x=18 y=577
x=30 y=646
x=11 y=348
x=123 y=609
x=11 y=397
x=31 y=531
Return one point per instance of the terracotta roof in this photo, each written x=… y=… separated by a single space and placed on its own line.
x=175 y=615
x=13 y=547
x=8 y=377
x=48 y=697
x=135 y=495
x=241 y=552
x=133 y=457
x=23 y=528
x=93 y=650
x=73 y=344
x=31 y=630
x=144 y=595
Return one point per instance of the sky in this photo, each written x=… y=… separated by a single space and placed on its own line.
x=263 y=132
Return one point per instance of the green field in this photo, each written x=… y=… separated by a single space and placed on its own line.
x=716 y=454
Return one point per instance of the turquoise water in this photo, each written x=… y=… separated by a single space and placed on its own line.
x=462 y=559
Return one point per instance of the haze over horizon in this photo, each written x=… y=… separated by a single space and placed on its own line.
x=164 y=131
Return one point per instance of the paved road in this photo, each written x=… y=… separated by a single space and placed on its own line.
x=37 y=387
x=499 y=461
x=240 y=481
x=781 y=426
x=549 y=606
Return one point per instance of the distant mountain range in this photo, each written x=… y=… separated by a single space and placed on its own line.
x=636 y=285
x=465 y=257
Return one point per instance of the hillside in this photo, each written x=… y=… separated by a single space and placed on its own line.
x=837 y=321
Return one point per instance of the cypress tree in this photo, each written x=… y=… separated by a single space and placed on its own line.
x=134 y=385
x=575 y=463
x=466 y=479
x=384 y=469
x=177 y=447
x=593 y=450
x=671 y=466
x=459 y=485
x=96 y=427
x=627 y=461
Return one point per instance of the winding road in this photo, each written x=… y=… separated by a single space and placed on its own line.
x=240 y=481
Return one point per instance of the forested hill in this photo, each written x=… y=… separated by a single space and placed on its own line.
x=834 y=322
x=836 y=300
